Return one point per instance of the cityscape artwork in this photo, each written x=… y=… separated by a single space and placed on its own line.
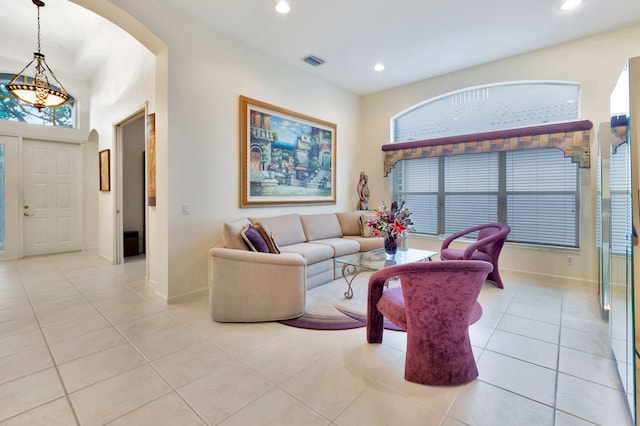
x=287 y=158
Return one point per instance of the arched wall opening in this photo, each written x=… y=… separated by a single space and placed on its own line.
x=157 y=272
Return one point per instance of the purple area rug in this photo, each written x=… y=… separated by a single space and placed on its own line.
x=324 y=322
x=351 y=319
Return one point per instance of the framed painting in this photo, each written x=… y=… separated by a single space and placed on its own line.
x=285 y=157
x=104 y=157
x=151 y=159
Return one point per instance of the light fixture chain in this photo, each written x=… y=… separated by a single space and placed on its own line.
x=37 y=91
x=38 y=29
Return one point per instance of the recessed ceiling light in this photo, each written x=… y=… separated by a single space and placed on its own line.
x=283 y=7
x=379 y=67
x=570 y=4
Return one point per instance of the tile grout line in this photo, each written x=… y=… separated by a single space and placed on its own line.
x=55 y=365
x=146 y=360
x=46 y=342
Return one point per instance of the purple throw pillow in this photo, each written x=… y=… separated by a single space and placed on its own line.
x=254 y=239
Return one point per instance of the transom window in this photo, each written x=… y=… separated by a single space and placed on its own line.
x=13 y=109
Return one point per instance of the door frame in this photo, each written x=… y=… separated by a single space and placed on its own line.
x=16 y=133
x=118 y=246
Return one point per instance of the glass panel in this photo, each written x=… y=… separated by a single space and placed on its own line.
x=603 y=213
x=623 y=185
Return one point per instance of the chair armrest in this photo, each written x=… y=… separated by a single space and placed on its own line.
x=375 y=320
x=257 y=257
x=452 y=237
x=468 y=252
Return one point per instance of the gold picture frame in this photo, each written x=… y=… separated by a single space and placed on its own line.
x=286 y=158
x=151 y=159
x=104 y=157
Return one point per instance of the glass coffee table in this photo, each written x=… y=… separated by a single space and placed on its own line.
x=374 y=260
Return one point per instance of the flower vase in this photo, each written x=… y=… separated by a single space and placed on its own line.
x=391 y=245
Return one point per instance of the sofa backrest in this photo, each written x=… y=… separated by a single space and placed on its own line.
x=321 y=226
x=350 y=223
x=295 y=228
x=231 y=236
x=285 y=229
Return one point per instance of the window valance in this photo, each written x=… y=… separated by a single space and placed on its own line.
x=573 y=138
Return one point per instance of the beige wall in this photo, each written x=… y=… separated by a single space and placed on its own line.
x=198 y=153
x=594 y=62
x=198 y=78
x=123 y=86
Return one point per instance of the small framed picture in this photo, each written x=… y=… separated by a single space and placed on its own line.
x=105 y=170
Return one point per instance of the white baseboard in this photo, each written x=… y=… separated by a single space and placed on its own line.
x=180 y=297
x=549 y=278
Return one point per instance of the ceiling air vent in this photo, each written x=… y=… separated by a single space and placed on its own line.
x=313 y=60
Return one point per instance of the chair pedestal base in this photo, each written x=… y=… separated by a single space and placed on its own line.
x=437 y=370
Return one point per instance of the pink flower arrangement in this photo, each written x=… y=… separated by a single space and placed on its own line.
x=390 y=222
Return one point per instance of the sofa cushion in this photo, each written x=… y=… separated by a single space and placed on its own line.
x=341 y=246
x=265 y=233
x=313 y=253
x=349 y=223
x=254 y=240
x=321 y=226
x=231 y=236
x=285 y=229
x=367 y=244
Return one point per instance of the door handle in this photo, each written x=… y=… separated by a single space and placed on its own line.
x=28 y=214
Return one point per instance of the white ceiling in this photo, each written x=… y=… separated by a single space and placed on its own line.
x=415 y=39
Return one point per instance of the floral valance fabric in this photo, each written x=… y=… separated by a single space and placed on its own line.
x=573 y=138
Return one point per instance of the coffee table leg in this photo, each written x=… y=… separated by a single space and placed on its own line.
x=349 y=273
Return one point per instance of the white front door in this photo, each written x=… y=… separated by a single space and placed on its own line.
x=51 y=210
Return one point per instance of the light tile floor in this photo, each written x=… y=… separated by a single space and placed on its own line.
x=85 y=342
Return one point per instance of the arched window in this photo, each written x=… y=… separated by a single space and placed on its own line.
x=498 y=153
x=12 y=109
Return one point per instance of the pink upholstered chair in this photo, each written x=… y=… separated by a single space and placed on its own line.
x=487 y=247
x=435 y=303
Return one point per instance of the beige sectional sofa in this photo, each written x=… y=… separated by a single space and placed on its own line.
x=247 y=286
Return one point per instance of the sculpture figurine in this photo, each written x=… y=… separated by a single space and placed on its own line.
x=363 y=192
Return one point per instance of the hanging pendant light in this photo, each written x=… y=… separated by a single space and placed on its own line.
x=36 y=90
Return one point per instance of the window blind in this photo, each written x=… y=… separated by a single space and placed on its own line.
x=535 y=191
x=418 y=187
x=542 y=197
x=470 y=191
